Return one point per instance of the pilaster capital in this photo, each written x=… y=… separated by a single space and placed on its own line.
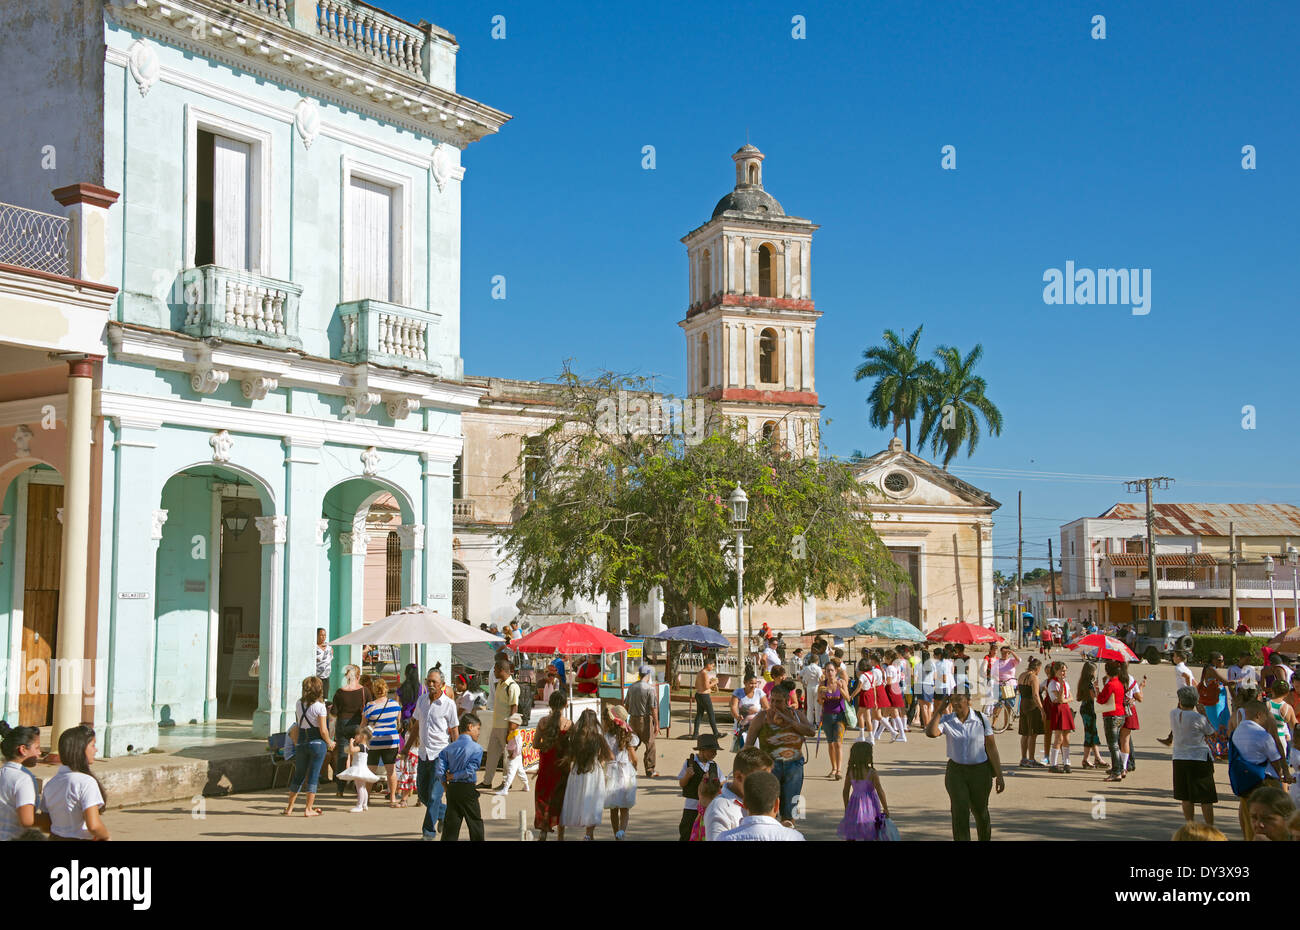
x=159 y=518
x=273 y=528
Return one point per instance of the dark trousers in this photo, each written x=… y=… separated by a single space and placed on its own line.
x=462 y=804
x=912 y=704
x=704 y=707
x=1113 y=725
x=969 y=787
x=644 y=728
x=684 y=828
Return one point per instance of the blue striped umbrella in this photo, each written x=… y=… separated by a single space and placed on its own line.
x=889 y=628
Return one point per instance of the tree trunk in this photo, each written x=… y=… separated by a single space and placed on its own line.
x=909 y=434
x=715 y=618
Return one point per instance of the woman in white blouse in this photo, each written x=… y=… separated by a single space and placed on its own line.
x=21 y=747
x=73 y=798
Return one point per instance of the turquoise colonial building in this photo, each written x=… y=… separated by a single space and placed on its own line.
x=278 y=183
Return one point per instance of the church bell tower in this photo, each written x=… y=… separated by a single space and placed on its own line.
x=750 y=318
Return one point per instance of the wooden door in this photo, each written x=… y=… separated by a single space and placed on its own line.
x=40 y=600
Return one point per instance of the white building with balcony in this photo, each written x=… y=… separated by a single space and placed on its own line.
x=278 y=186
x=1105 y=577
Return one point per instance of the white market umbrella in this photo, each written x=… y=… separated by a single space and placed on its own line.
x=416 y=624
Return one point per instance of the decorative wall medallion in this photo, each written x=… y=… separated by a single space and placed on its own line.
x=142 y=62
x=403 y=407
x=206 y=380
x=257 y=387
x=306 y=119
x=274 y=528
x=221 y=444
x=442 y=165
x=322 y=532
x=23 y=441
x=370 y=461
x=159 y=518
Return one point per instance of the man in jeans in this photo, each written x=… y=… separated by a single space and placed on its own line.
x=780 y=730
x=706 y=682
x=435 y=715
x=643 y=714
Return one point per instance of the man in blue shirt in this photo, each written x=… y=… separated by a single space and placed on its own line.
x=462 y=759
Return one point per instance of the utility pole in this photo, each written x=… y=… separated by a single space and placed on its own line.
x=1232 y=577
x=1051 y=574
x=1020 y=551
x=1134 y=487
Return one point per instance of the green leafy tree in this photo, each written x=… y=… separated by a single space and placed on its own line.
x=953 y=403
x=626 y=507
x=901 y=377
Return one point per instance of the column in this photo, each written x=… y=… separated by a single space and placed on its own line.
x=71 y=642
x=733 y=355
x=411 y=538
x=750 y=348
x=302 y=609
x=805 y=358
x=214 y=605
x=87 y=207
x=787 y=338
x=692 y=257
x=715 y=356
x=719 y=262
x=437 y=554
x=785 y=281
x=692 y=376
x=749 y=261
x=725 y=270
x=270 y=716
x=124 y=717
x=806 y=256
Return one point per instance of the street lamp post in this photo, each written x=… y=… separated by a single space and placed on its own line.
x=1268 y=572
x=739 y=512
x=1293 y=559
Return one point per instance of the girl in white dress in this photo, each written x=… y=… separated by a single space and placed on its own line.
x=620 y=774
x=358 y=771
x=584 y=793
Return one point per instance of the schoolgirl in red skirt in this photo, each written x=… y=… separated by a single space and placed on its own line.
x=1062 y=717
x=865 y=699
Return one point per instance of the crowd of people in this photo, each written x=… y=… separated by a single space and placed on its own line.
x=423 y=739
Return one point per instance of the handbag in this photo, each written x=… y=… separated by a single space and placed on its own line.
x=850 y=714
x=1008 y=690
x=1243 y=775
x=887 y=830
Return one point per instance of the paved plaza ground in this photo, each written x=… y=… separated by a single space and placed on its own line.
x=1037 y=805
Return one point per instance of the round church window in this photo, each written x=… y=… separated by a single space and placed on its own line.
x=896 y=482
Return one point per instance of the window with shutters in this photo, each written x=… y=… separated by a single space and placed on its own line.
x=226 y=176
x=376 y=248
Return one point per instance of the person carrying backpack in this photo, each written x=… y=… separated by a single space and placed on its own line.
x=1254 y=755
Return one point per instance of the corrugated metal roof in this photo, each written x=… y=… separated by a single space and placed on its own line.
x=1213 y=519
x=1165 y=559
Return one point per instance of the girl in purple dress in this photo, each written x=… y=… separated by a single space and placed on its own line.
x=865 y=807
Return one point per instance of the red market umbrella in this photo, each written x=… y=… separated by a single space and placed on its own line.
x=1108 y=647
x=569 y=639
x=967 y=633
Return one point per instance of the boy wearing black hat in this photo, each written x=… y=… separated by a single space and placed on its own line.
x=698 y=766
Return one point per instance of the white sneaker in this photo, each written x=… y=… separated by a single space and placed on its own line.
x=501 y=792
x=357 y=810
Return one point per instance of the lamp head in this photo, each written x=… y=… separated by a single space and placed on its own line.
x=739 y=506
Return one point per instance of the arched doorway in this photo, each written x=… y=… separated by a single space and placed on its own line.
x=370 y=569
x=209 y=592
x=31 y=560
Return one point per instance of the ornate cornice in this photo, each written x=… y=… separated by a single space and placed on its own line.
x=319 y=68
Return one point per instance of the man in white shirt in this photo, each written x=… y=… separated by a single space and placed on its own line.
x=324 y=660
x=1241 y=675
x=810 y=676
x=1256 y=741
x=771 y=658
x=973 y=764
x=439 y=723
x=762 y=793
x=727 y=810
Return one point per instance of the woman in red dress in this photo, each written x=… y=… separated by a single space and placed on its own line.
x=552 y=734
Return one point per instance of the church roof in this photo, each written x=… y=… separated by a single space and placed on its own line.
x=896 y=456
x=752 y=200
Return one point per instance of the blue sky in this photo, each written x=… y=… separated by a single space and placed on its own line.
x=1124 y=152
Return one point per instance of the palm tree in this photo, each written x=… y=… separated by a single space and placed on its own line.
x=953 y=403
x=900 y=376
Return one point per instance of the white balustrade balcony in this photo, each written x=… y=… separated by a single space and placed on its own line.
x=462 y=511
x=241 y=306
x=373 y=33
x=381 y=333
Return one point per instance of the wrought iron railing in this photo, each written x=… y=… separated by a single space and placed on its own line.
x=31 y=239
